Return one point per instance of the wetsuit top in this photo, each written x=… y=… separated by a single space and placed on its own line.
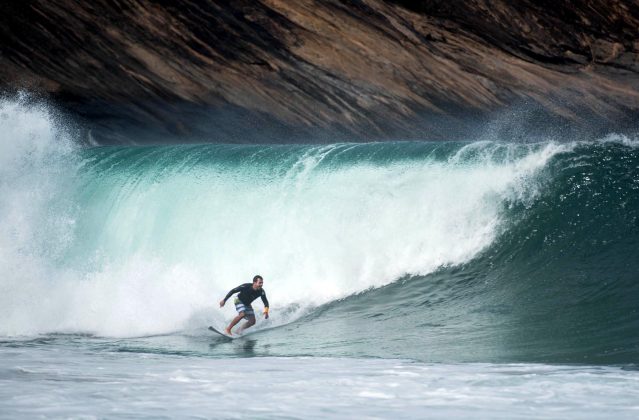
x=248 y=294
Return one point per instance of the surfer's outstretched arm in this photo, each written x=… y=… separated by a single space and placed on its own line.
x=228 y=295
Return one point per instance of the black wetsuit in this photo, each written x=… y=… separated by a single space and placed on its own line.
x=248 y=294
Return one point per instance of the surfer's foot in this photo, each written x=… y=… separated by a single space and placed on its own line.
x=228 y=331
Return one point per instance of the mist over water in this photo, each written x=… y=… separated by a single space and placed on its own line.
x=399 y=246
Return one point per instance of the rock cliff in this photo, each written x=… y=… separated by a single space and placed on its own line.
x=304 y=70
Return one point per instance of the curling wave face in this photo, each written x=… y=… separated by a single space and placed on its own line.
x=482 y=249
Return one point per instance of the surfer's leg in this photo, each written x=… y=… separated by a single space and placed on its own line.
x=249 y=314
x=250 y=321
x=233 y=323
x=242 y=312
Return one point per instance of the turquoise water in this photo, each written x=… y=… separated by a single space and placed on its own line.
x=440 y=255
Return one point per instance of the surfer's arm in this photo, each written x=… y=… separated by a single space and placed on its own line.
x=265 y=301
x=228 y=295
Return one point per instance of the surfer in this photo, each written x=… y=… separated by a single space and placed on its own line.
x=247 y=293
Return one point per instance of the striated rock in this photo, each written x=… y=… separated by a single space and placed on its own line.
x=246 y=71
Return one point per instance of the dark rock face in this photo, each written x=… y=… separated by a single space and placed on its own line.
x=324 y=70
x=553 y=32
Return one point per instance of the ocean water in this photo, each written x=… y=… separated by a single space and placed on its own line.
x=406 y=279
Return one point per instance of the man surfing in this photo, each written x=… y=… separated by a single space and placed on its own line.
x=247 y=293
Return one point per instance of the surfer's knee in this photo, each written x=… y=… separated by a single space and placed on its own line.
x=251 y=320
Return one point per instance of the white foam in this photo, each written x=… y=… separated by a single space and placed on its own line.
x=632 y=142
x=65 y=383
x=34 y=223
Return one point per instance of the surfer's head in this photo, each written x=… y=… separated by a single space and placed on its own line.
x=258 y=281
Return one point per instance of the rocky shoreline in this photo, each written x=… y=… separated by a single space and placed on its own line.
x=281 y=71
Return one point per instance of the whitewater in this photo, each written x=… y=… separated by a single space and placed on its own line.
x=406 y=279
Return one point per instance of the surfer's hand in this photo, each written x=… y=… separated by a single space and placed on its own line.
x=222 y=303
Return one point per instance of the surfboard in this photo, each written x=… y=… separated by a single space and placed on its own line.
x=223 y=334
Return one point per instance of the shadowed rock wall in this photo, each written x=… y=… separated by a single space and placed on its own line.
x=251 y=71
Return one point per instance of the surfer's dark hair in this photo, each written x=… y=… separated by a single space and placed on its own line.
x=256 y=278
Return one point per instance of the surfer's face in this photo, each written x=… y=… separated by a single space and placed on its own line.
x=257 y=285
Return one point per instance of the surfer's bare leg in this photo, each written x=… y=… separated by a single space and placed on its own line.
x=248 y=324
x=233 y=323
